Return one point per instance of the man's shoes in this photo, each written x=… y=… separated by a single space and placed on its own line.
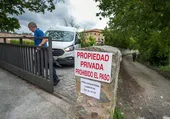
x=56 y=82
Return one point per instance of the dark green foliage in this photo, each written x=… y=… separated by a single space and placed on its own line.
x=112 y=38
x=91 y=41
x=139 y=24
x=10 y=8
x=84 y=44
x=83 y=40
x=86 y=41
x=25 y=42
x=118 y=114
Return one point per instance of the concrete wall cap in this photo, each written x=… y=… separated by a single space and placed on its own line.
x=109 y=49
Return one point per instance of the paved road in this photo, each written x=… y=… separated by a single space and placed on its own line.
x=66 y=88
x=21 y=100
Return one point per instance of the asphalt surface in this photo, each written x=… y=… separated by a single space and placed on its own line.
x=22 y=100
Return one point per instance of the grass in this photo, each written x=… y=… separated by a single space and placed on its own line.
x=118 y=114
x=165 y=68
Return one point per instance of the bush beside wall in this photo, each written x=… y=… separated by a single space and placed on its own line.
x=25 y=42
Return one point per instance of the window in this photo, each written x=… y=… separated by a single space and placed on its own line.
x=63 y=36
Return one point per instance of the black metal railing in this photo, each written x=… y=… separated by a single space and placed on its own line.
x=32 y=63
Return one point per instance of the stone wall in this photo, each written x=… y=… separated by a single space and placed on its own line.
x=103 y=108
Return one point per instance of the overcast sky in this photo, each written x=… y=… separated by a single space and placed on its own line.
x=84 y=12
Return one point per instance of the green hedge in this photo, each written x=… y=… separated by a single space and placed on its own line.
x=25 y=42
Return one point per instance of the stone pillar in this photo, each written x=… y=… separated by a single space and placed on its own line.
x=91 y=108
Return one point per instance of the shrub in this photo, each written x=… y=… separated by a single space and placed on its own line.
x=118 y=114
x=89 y=42
x=25 y=42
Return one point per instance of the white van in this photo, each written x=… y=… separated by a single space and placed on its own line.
x=64 y=41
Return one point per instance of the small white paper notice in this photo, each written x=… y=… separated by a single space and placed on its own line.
x=90 y=88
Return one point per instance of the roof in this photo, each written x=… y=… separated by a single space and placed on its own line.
x=93 y=30
x=63 y=28
x=14 y=34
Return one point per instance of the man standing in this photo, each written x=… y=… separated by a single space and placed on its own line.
x=134 y=56
x=42 y=42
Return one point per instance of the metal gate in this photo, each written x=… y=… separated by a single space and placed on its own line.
x=31 y=63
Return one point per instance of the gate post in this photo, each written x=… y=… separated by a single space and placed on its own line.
x=20 y=41
x=50 y=60
x=96 y=74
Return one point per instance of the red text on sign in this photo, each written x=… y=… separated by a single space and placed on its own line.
x=91 y=65
x=105 y=77
x=84 y=72
x=93 y=56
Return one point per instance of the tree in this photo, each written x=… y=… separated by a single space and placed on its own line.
x=87 y=41
x=114 y=38
x=82 y=36
x=91 y=41
x=9 y=8
x=83 y=39
x=70 y=21
x=139 y=24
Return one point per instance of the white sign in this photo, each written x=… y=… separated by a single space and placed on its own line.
x=90 y=88
x=93 y=65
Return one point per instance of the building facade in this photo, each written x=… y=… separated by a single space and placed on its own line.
x=95 y=33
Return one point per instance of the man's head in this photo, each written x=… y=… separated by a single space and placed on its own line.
x=32 y=26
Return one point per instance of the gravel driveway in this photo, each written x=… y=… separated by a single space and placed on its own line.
x=142 y=92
